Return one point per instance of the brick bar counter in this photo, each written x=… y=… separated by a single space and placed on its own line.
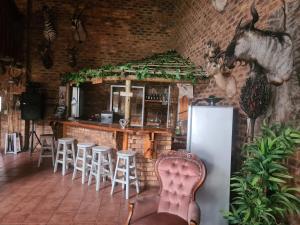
x=146 y=141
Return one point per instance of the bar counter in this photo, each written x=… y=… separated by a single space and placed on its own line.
x=148 y=142
x=115 y=127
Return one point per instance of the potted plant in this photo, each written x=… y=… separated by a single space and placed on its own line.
x=261 y=189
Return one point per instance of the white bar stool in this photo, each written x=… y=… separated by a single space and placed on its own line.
x=65 y=147
x=12 y=143
x=47 y=148
x=125 y=169
x=101 y=165
x=83 y=158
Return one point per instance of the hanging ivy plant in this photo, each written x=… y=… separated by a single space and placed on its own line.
x=169 y=65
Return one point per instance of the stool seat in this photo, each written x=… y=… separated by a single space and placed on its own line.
x=126 y=153
x=85 y=145
x=101 y=148
x=66 y=140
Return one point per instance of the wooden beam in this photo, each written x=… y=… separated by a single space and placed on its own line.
x=127 y=99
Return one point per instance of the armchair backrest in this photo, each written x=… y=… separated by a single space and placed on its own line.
x=180 y=175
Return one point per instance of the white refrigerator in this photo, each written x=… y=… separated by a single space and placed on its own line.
x=210 y=136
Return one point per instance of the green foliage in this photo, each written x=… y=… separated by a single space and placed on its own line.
x=169 y=65
x=261 y=188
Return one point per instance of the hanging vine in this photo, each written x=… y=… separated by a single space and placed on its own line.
x=169 y=65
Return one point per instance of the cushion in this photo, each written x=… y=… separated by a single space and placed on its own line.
x=161 y=219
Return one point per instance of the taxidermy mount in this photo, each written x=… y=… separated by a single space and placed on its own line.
x=79 y=32
x=273 y=51
x=216 y=68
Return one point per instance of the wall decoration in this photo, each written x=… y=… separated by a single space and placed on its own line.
x=79 y=32
x=251 y=44
x=72 y=56
x=219 y=5
x=46 y=55
x=49 y=33
x=216 y=68
x=169 y=65
x=255 y=96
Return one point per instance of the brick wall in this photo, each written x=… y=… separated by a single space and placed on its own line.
x=199 y=22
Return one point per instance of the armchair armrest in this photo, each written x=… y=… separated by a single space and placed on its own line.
x=194 y=214
x=143 y=206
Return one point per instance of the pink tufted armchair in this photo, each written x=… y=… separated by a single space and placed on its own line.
x=180 y=175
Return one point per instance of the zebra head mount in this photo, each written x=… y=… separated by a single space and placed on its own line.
x=49 y=30
x=79 y=32
x=72 y=56
x=46 y=55
x=252 y=45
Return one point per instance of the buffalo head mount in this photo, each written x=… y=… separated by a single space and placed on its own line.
x=273 y=51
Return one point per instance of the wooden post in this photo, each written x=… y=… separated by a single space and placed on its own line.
x=127 y=99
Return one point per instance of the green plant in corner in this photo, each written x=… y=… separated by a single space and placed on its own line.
x=262 y=194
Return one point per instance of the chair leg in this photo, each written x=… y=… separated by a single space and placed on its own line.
x=115 y=176
x=73 y=153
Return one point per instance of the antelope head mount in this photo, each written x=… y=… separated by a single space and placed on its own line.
x=79 y=32
x=215 y=67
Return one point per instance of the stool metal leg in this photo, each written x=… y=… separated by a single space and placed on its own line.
x=83 y=167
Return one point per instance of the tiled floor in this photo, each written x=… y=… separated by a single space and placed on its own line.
x=31 y=195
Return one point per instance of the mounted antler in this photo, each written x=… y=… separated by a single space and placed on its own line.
x=216 y=68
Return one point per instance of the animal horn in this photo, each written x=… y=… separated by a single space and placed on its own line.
x=238 y=26
x=254 y=13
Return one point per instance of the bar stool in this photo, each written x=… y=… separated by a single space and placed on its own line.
x=47 y=148
x=65 y=147
x=129 y=165
x=83 y=158
x=101 y=165
x=12 y=143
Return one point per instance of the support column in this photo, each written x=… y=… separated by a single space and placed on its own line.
x=127 y=99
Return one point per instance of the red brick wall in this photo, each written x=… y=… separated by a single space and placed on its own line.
x=199 y=22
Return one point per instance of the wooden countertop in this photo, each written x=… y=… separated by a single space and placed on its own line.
x=115 y=127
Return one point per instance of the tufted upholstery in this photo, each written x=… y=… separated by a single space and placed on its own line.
x=180 y=175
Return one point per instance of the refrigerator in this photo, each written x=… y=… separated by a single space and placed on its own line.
x=77 y=102
x=210 y=136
